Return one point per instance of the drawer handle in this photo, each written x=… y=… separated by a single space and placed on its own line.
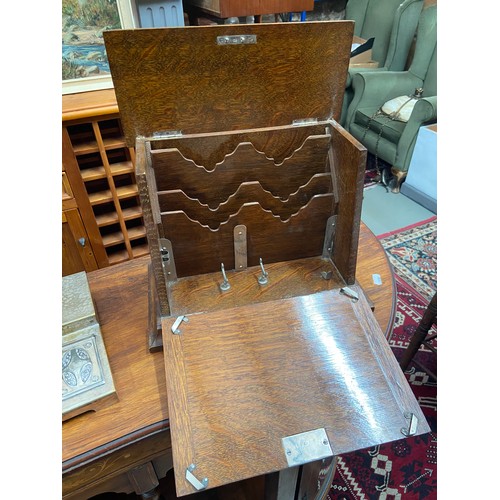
x=82 y=241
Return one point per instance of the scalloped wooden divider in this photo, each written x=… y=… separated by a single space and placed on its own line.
x=210 y=149
x=199 y=250
x=248 y=191
x=245 y=164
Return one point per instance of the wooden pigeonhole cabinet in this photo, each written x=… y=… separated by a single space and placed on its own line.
x=251 y=195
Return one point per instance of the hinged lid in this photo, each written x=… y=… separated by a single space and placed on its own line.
x=185 y=79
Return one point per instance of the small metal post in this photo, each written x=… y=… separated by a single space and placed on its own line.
x=263 y=277
x=225 y=283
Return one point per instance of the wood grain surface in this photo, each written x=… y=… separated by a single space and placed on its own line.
x=181 y=79
x=211 y=148
x=206 y=216
x=202 y=293
x=348 y=162
x=282 y=368
x=245 y=164
x=121 y=298
x=198 y=249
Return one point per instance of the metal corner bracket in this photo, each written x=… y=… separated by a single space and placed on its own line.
x=194 y=481
x=412 y=425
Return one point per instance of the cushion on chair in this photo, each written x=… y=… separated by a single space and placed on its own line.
x=389 y=129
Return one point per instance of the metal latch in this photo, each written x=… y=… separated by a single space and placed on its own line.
x=236 y=39
x=306 y=447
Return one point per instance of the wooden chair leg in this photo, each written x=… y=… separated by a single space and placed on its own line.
x=428 y=319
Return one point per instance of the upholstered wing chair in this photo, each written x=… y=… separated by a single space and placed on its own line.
x=393 y=24
x=391 y=140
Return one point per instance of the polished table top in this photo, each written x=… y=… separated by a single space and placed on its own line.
x=120 y=293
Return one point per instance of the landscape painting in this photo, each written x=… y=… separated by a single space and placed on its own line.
x=83 y=52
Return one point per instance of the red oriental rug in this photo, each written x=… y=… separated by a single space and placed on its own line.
x=405 y=469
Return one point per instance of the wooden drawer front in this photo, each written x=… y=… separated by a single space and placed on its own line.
x=77 y=253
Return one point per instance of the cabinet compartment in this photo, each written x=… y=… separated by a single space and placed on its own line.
x=100 y=163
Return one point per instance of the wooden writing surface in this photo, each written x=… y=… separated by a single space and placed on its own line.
x=239 y=380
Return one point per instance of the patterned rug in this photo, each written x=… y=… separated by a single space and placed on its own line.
x=371 y=175
x=405 y=469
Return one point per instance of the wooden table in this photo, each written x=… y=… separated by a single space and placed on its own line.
x=126 y=446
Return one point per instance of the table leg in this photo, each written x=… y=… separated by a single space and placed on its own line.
x=145 y=481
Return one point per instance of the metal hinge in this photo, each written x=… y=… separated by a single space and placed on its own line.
x=329 y=234
x=167 y=134
x=304 y=121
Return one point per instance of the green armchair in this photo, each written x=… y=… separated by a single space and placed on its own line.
x=393 y=24
x=393 y=141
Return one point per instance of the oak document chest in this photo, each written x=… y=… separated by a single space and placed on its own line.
x=251 y=194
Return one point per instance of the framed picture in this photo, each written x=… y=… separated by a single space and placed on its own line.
x=84 y=61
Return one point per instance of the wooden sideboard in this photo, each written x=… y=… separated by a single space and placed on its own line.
x=102 y=216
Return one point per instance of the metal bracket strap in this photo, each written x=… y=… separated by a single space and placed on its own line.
x=329 y=233
x=167 y=259
x=240 y=247
x=194 y=481
x=349 y=292
x=412 y=425
x=177 y=322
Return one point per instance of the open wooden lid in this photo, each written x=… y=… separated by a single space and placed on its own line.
x=199 y=80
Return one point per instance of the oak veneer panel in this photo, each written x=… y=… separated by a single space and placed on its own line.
x=198 y=249
x=92 y=438
x=283 y=368
x=244 y=164
x=209 y=149
x=201 y=293
x=348 y=163
x=181 y=79
x=246 y=192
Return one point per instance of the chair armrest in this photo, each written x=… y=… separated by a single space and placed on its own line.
x=373 y=89
x=355 y=71
x=424 y=113
x=425 y=110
